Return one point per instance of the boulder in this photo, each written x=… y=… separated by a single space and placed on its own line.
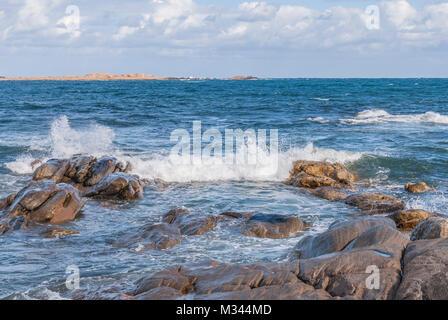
x=338 y=236
x=46 y=201
x=425 y=271
x=330 y=194
x=419 y=187
x=190 y=223
x=153 y=236
x=407 y=220
x=375 y=203
x=314 y=174
x=273 y=226
x=119 y=186
x=431 y=228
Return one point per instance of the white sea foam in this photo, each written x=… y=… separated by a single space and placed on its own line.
x=97 y=140
x=320 y=99
x=382 y=116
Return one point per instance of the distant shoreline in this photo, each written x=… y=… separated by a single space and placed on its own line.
x=108 y=76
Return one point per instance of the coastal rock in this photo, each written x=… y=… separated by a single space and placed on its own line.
x=340 y=260
x=190 y=223
x=338 y=236
x=154 y=236
x=119 y=186
x=419 y=187
x=272 y=226
x=330 y=194
x=431 y=228
x=425 y=271
x=6 y=202
x=57 y=233
x=236 y=215
x=314 y=174
x=46 y=201
x=409 y=219
x=375 y=203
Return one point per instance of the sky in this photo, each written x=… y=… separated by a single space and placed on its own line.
x=222 y=38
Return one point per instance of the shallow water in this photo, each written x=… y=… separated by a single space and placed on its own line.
x=390 y=131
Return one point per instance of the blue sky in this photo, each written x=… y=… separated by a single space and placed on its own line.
x=221 y=38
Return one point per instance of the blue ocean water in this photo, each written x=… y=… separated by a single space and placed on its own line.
x=389 y=131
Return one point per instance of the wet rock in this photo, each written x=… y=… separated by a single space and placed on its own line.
x=58 y=233
x=272 y=226
x=5 y=202
x=155 y=236
x=190 y=223
x=431 y=228
x=338 y=236
x=160 y=293
x=425 y=271
x=13 y=224
x=419 y=187
x=314 y=174
x=237 y=215
x=340 y=260
x=330 y=194
x=46 y=201
x=409 y=219
x=375 y=203
x=119 y=186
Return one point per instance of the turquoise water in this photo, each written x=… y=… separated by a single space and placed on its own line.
x=389 y=131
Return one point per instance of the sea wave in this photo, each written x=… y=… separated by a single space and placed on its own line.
x=381 y=116
x=97 y=140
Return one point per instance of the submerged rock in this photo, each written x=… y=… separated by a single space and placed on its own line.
x=407 y=220
x=5 y=202
x=154 y=236
x=190 y=223
x=330 y=194
x=120 y=186
x=272 y=226
x=375 y=203
x=425 y=271
x=419 y=187
x=58 y=233
x=314 y=174
x=431 y=228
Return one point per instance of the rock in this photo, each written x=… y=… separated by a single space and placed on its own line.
x=58 y=233
x=419 y=187
x=155 y=236
x=119 y=186
x=14 y=223
x=237 y=215
x=330 y=194
x=190 y=223
x=431 y=228
x=160 y=293
x=340 y=260
x=6 y=202
x=407 y=220
x=338 y=236
x=425 y=271
x=314 y=174
x=46 y=201
x=375 y=203
x=272 y=226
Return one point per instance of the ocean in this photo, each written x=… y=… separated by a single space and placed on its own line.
x=388 y=131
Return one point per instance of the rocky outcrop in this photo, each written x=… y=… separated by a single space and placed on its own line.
x=375 y=203
x=330 y=194
x=45 y=202
x=425 y=271
x=314 y=174
x=419 y=187
x=431 y=228
x=341 y=260
x=190 y=223
x=409 y=219
x=154 y=236
x=273 y=226
x=120 y=186
x=214 y=280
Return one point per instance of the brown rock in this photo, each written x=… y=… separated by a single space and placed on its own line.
x=272 y=226
x=6 y=202
x=407 y=220
x=58 y=233
x=375 y=203
x=120 y=186
x=190 y=223
x=237 y=215
x=431 y=228
x=156 y=236
x=419 y=187
x=330 y=194
x=313 y=174
x=425 y=271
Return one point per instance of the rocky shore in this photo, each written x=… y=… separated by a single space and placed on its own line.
x=383 y=253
